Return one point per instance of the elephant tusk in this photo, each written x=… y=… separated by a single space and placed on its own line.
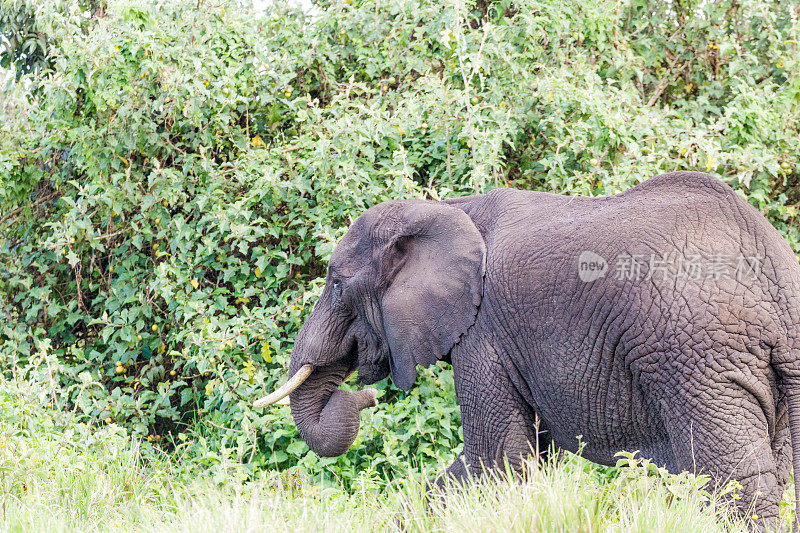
x=285 y=400
x=295 y=381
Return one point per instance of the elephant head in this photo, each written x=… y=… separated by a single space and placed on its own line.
x=403 y=286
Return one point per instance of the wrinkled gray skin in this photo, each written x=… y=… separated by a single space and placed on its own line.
x=696 y=374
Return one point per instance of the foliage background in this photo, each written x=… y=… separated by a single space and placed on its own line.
x=174 y=176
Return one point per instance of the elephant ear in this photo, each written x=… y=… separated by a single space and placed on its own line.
x=435 y=263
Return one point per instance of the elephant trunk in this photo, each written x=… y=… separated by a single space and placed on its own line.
x=328 y=418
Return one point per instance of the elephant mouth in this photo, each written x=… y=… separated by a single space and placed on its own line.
x=281 y=395
x=351 y=359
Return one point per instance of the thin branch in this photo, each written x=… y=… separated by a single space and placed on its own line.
x=97 y=238
x=34 y=204
x=664 y=82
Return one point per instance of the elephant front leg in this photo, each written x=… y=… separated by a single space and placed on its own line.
x=514 y=444
x=458 y=473
x=498 y=424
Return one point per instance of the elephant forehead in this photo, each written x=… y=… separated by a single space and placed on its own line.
x=387 y=219
x=381 y=222
x=370 y=230
x=354 y=248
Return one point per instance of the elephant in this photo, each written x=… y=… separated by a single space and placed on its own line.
x=662 y=319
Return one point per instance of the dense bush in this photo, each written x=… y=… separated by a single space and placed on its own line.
x=173 y=184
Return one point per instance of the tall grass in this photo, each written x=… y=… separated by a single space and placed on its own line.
x=62 y=476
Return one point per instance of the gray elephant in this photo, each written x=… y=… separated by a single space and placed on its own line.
x=663 y=319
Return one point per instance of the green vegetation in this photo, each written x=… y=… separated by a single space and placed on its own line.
x=173 y=180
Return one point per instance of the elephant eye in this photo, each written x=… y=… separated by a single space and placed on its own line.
x=337 y=290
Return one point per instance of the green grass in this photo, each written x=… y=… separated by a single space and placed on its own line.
x=62 y=476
